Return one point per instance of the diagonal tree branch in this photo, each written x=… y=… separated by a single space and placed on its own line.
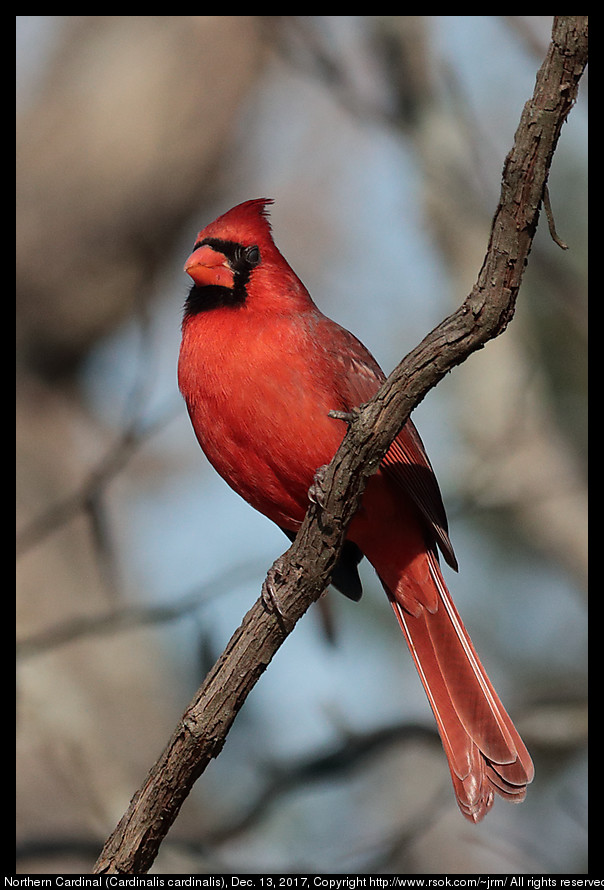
x=298 y=578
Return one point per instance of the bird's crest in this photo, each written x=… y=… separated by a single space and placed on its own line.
x=247 y=223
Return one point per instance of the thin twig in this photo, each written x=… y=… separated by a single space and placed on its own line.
x=550 y=220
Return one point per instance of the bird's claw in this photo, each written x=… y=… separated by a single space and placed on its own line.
x=316 y=492
x=269 y=597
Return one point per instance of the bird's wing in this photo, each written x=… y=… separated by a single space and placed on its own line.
x=406 y=461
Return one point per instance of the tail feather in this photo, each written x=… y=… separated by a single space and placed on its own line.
x=515 y=793
x=483 y=748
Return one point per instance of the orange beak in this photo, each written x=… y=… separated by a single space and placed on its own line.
x=209 y=266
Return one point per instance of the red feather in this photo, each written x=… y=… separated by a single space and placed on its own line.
x=260 y=369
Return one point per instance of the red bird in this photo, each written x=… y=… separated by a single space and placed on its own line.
x=260 y=369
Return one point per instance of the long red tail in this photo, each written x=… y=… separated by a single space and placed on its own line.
x=484 y=750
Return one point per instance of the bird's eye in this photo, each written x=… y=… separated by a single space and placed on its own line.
x=252 y=255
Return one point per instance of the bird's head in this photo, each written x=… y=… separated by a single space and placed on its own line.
x=235 y=257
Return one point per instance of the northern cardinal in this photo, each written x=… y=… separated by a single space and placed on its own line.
x=260 y=369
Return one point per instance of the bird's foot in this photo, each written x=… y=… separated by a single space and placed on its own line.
x=316 y=492
x=270 y=599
